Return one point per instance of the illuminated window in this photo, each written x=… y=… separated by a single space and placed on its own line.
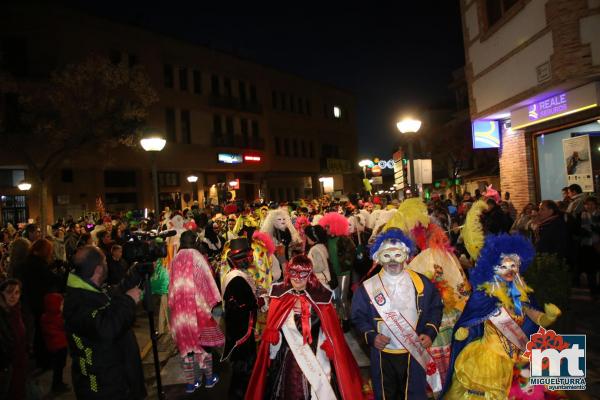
x=337 y=112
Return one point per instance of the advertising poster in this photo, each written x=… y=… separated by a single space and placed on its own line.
x=578 y=162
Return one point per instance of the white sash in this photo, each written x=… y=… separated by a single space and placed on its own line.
x=509 y=328
x=307 y=361
x=402 y=331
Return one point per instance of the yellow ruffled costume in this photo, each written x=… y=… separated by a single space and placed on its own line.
x=484 y=368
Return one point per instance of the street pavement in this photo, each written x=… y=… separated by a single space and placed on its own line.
x=583 y=317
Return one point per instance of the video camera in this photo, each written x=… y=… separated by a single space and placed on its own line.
x=144 y=248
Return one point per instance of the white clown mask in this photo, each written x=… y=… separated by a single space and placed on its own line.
x=280 y=222
x=508 y=268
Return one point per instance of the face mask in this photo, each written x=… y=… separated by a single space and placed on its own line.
x=280 y=223
x=392 y=253
x=508 y=269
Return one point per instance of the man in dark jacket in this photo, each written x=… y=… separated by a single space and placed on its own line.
x=106 y=356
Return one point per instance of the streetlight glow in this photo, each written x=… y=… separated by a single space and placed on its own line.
x=409 y=125
x=24 y=186
x=153 y=143
x=365 y=163
x=192 y=179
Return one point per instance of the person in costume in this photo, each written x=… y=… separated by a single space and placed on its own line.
x=192 y=295
x=279 y=226
x=316 y=239
x=342 y=254
x=398 y=312
x=241 y=300
x=303 y=353
x=491 y=334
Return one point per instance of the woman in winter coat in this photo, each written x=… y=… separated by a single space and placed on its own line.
x=13 y=343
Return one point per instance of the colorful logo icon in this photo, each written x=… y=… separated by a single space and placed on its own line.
x=533 y=111
x=557 y=361
x=380 y=299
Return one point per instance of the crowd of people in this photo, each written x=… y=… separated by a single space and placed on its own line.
x=413 y=281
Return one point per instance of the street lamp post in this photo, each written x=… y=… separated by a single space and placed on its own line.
x=408 y=126
x=193 y=179
x=153 y=144
x=24 y=186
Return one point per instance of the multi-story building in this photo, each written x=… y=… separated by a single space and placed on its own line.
x=533 y=72
x=224 y=118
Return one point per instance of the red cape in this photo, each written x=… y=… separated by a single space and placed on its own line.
x=335 y=346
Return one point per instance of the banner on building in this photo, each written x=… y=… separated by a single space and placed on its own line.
x=578 y=162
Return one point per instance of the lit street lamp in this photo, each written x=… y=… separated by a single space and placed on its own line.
x=408 y=126
x=364 y=164
x=24 y=186
x=193 y=179
x=153 y=144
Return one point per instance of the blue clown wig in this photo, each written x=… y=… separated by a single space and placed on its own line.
x=391 y=234
x=493 y=248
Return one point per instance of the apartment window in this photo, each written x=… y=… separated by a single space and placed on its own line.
x=245 y=134
x=168 y=179
x=183 y=79
x=214 y=85
x=277 y=146
x=14 y=209
x=227 y=87
x=307 y=106
x=229 y=130
x=274 y=99
x=292 y=103
x=186 y=128
x=303 y=148
x=255 y=131
x=11 y=177
x=66 y=175
x=168 y=75
x=311 y=150
x=281 y=194
x=337 y=112
x=115 y=57
x=119 y=178
x=288 y=194
x=132 y=60
x=197 y=76
x=170 y=125
x=286 y=147
x=283 y=100
x=253 y=96
x=217 y=128
x=242 y=90
x=495 y=9
x=295 y=148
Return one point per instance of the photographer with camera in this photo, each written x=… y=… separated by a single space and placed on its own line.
x=103 y=346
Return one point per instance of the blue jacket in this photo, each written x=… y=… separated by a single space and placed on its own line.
x=429 y=310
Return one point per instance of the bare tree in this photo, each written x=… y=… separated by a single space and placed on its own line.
x=84 y=106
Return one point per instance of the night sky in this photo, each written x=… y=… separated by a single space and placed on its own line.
x=392 y=59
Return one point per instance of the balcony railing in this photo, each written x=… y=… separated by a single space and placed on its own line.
x=234 y=104
x=238 y=141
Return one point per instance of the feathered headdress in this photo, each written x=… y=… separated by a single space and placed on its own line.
x=337 y=223
x=391 y=234
x=495 y=246
x=492 y=193
x=410 y=213
x=472 y=232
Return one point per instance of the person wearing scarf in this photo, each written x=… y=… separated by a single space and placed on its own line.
x=302 y=320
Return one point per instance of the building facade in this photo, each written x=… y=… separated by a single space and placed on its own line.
x=224 y=118
x=533 y=73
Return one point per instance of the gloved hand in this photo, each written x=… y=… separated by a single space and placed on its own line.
x=461 y=333
x=550 y=314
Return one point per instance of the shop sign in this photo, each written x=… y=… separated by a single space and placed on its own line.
x=230 y=158
x=486 y=134
x=547 y=107
x=555 y=106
